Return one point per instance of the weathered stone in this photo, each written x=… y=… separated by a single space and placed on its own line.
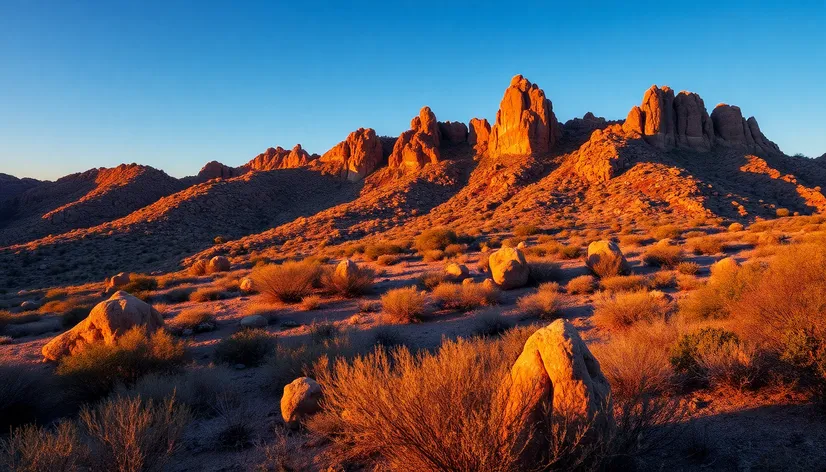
x=453 y=132
x=300 y=400
x=419 y=145
x=457 y=270
x=600 y=251
x=525 y=122
x=509 y=268
x=218 y=264
x=356 y=157
x=253 y=321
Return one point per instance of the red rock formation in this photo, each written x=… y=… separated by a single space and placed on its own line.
x=216 y=170
x=732 y=130
x=525 y=122
x=694 y=129
x=635 y=122
x=658 y=117
x=479 y=134
x=419 y=145
x=355 y=157
x=280 y=158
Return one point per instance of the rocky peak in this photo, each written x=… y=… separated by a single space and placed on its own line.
x=479 y=134
x=658 y=117
x=419 y=145
x=216 y=170
x=732 y=130
x=525 y=123
x=280 y=158
x=356 y=157
x=453 y=132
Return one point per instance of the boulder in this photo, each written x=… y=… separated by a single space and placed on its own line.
x=116 y=281
x=509 y=268
x=356 y=157
x=253 y=321
x=346 y=270
x=453 y=132
x=218 y=264
x=107 y=321
x=604 y=249
x=459 y=271
x=300 y=400
x=525 y=123
x=419 y=145
x=247 y=285
x=29 y=305
x=635 y=121
x=556 y=370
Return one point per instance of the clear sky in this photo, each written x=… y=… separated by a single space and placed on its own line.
x=176 y=84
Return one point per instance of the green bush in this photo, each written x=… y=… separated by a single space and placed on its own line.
x=435 y=238
x=686 y=352
x=249 y=347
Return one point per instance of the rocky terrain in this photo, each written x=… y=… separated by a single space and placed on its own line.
x=654 y=281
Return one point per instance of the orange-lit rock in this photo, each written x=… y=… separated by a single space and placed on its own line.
x=694 y=129
x=216 y=170
x=453 y=132
x=356 y=157
x=658 y=117
x=732 y=130
x=525 y=122
x=635 y=122
x=419 y=145
x=280 y=158
x=478 y=134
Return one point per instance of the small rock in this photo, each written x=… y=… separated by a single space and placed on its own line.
x=28 y=305
x=300 y=400
x=457 y=270
x=253 y=321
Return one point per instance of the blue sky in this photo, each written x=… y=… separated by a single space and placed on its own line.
x=177 y=84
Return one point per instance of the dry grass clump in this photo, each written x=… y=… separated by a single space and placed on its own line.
x=704 y=245
x=666 y=232
x=631 y=240
x=374 y=251
x=292 y=361
x=525 y=230
x=570 y=251
x=543 y=270
x=95 y=372
x=199 y=267
x=352 y=284
x=200 y=388
x=387 y=260
x=545 y=303
x=624 y=283
x=491 y=324
x=621 y=310
x=581 y=284
x=735 y=227
x=782 y=212
x=8 y=318
x=403 y=305
x=310 y=303
x=712 y=356
x=435 y=239
x=288 y=282
x=248 y=347
x=688 y=268
x=714 y=300
x=432 y=278
x=207 y=294
x=663 y=255
x=71 y=310
x=464 y=297
x=196 y=319
x=35 y=449
x=662 y=279
x=608 y=265
x=140 y=285
x=433 y=255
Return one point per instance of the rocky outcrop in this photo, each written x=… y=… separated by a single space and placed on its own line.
x=525 y=122
x=280 y=158
x=605 y=154
x=556 y=370
x=300 y=400
x=419 y=145
x=453 y=132
x=667 y=121
x=478 y=135
x=356 y=157
x=119 y=280
x=732 y=130
x=108 y=320
x=11 y=186
x=216 y=170
x=509 y=268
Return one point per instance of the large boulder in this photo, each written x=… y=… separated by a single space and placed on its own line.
x=556 y=370
x=300 y=400
x=116 y=281
x=218 y=264
x=419 y=145
x=509 y=268
x=356 y=157
x=108 y=320
x=525 y=123
x=604 y=251
x=246 y=285
x=346 y=270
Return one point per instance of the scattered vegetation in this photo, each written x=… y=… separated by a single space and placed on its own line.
x=435 y=239
x=624 y=309
x=545 y=303
x=288 y=282
x=463 y=296
x=582 y=284
x=403 y=305
x=248 y=347
x=350 y=283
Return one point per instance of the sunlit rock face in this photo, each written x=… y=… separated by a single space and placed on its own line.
x=525 y=123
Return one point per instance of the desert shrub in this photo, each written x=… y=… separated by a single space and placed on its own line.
x=22 y=392
x=733 y=364
x=7 y=318
x=431 y=279
x=71 y=310
x=512 y=242
x=196 y=319
x=321 y=331
x=454 y=250
x=352 y=284
x=35 y=449
x=705 y=245
x=464 y=297
x=688 y=268
x=249 y=347
x=782 y=212
x=637 y=362
x=688 y=235
x=624 y=283
x=288 y=282
x=433 y=255
x=491 y=324
x=608 y=265
x=292 y=361
x=374 y=251
x=571 y=251
x=131 y=435
x=545 y=303
x=139 y=284
x=206 y=294
x=95 y=371
x=631 y=240
x=387 y=260
x=435 y=239
x=237 y=423
x=484 y=262
x=734 y=227
x=200 y=388
x=624 y=309
x=661 y=279
x=310 y=302
x=387 y=336
x=368 y=306
x=525 y=230
x=666 y=232
x=714 y=299
x=403 y=305
x=543 y=270
x=662 y=255
x=695 y=352
x=199 y=267
x=581 y=284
